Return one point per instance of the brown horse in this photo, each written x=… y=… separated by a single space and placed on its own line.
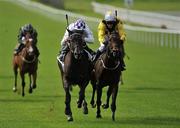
x=27 y=62
x=76 y=71
x=107 y=72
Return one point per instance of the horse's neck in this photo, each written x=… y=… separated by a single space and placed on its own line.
x=108 y=61
x=71 y=59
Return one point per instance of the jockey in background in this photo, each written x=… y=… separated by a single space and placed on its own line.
x=23 y=31
x=77 y=26
x=109 y=24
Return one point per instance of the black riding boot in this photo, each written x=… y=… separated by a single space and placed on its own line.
x=37 y=51
x=63 y=52
x=122 y=65
x=98 y=53
x=18 y=48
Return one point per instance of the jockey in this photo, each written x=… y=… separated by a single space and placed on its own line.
x=27 y=28
x=109 y=24
x=78 y=25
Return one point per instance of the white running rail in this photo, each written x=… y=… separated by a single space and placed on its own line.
x=140 y=17
x=159 y=37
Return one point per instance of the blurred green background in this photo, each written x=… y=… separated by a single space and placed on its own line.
x=148 y=99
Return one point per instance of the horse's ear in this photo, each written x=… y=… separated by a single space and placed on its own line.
x=69 y=31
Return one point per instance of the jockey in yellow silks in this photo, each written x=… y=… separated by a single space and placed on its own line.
x=109 y=24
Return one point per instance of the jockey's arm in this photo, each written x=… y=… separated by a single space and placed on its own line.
x=121 y=31
x=101 y=33
x=89 y=38
x=35 y=34
x=20 y=36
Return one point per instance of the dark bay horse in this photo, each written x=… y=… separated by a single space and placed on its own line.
x=27 y=62
x=107 y=72
x=76 y=71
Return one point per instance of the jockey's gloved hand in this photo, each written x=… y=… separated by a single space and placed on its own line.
x=106 y=42
x=123 y=37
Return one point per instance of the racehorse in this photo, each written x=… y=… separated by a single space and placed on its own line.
x=27 y=62
x=76 y=71
x=107 y=72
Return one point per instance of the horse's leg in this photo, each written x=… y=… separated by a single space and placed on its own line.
x=121 y=79
x=109 y=92
x=113 y=105
x=67 y=102
x=81 y=95
x=15 y=78
x=23 y=83
x=85 y=108
x=30 y=83
x=93 y=94
x=34 y=80
x=98 y=102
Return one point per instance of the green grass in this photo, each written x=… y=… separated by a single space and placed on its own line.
x=147 y=5
x=149 y=98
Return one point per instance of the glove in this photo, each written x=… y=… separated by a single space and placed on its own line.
x=123 y=37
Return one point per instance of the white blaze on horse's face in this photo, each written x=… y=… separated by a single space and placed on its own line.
x=30 y=49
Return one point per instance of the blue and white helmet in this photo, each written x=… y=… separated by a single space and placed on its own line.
x=79 y=25
x=110 y=16
x=27 y=28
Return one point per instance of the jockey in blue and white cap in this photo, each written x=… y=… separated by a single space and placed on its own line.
x=78 y=25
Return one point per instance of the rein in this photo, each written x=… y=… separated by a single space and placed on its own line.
x=113 y=68
x=27 y=61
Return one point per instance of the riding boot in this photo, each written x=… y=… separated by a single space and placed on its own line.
x=123 y=65
x=98 y=53
x=18 y=48
x=63 y=52
x=37 y=51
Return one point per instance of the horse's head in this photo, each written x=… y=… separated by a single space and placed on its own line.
x=76 y=43
x=115 y=46
x=29 y=51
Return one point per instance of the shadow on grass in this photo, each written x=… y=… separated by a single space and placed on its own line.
x=159 y=120
x=152 y=121
x=24 y=100
x=150 y=89
x=6 y=77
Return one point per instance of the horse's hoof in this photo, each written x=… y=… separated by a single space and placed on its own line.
x=79 y=105
x=105 y=106
x=30 y=90
x=23 y=94
x=34 y=86
x=14 y=89
x=113 y=116
x=93 y=105
x=69 y=118
x=85 y=110
x=99 y=116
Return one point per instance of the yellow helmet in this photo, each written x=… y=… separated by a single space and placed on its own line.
x=109 y=16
